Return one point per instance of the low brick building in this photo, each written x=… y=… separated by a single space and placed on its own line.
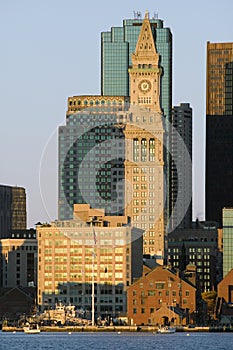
x=161 y=297
x=224 y=304
x=15 y=302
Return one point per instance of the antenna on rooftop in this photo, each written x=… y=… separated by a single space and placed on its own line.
x=137 y=15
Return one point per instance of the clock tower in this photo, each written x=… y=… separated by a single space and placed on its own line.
x=145 y=73
x=144 y=162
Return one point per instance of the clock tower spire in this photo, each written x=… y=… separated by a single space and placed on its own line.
x=145 y=73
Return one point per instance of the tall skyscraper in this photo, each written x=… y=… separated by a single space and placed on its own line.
x=181 y=179
x=219 y=129
x=13 y=215
x=111 y=153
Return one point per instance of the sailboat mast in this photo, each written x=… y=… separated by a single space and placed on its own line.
x=93 y=288
x=93 y=281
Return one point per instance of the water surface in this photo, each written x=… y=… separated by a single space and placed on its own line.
x=110 y=341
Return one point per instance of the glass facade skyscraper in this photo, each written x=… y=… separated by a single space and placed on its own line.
x=219 y=129
x=13 y=212
x=91 y=162
x=181 y=178
x=117 y=47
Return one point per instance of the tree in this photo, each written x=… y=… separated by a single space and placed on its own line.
x=210 y=299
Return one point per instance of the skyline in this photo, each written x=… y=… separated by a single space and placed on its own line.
x=39 y=96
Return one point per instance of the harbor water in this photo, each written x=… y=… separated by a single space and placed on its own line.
x=116 y=341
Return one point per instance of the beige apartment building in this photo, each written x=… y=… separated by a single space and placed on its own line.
x=91 y=248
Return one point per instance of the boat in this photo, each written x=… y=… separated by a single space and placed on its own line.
x=166 y=330
x=31 y=329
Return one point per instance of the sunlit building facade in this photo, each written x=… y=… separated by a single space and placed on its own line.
x=91 y=248
x=111 y=150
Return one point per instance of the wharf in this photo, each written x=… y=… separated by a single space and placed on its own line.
x=152 y=329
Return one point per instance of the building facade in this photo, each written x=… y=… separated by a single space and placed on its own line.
x=111 y=153
x=219 y=129
x=199 y=247
x=223 y=309
x=181 y=177
x=227 y=240
x=18 y=264
x=13 y=215
x=91 y=248
x=117 y=47
x=161 y=297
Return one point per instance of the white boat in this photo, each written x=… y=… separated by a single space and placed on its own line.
x=166 y=330
x=31 y=329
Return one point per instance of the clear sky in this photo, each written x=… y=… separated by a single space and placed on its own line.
x=50 y=49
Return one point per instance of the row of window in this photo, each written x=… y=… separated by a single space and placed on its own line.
x=96 y=102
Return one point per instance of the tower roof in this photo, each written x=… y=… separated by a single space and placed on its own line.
x=145 y=42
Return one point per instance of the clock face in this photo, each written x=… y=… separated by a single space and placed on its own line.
x=145 y=85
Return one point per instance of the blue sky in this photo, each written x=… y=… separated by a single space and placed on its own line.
x=50 y=49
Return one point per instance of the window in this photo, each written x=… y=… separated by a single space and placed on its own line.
x=159 y=285
x=151 y=293
x=143 y=150
x=135 y=150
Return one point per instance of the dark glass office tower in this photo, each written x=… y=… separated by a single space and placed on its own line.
x=219 y=129
x=13 y=214
x=181 y=179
